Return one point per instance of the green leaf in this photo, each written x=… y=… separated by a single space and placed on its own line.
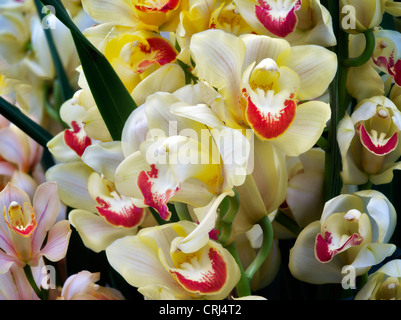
x=26 y=124
x=112 y=98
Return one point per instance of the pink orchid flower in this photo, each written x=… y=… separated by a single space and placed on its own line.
x=27 y=224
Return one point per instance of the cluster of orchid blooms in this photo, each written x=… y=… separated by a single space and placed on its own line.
x=234 y=126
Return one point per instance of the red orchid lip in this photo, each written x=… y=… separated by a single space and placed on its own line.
x=393 y=68
x=211 y=281
x=280 y=26
x=376 y=147
x=76 y=138
x=322 y=246
x=154 y=198
x=271 y=125
x=127 y=215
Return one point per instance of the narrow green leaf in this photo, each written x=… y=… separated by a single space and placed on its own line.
x=66 y=91
x=26 y=124
x=112 y=98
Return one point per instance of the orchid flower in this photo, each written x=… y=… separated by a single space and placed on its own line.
x=383 y=284
x=262 y=80
x=149 y=14
x=202 y=15
x=208 y=273
x=298 y=21
x=82 y=286
x=14 y=284
x=134 y=54
x=353 y=231
x=177 y=149
x=368 y=141
x=20 y=156
x=26 y=224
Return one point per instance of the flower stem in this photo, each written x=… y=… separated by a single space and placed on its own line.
x=31 y=280
x=243 y=287
x=264 y=250
x=366 y=54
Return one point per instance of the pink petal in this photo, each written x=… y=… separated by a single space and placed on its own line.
x=57 y=242
x=279 y=21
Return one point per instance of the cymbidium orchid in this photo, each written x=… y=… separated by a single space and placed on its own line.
x=368 y=141
x=174 y=154
x=298 y=21
x=353 y=231
x=26 y=225
x=20 y=157
x=208 y=273
x=82 y=286
x=134 y=54
x=262 y=80
x=146 y=14
x=14 y=284
x=383 y=284
x=369 y=79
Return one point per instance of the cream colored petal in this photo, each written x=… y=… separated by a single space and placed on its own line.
x=351 y=174
x=310 y=120
x=59 y=149
x=385 y=176
x=315 y=65
x=259 y=47
x=371 y=255
x=94 y=231
x=167 y=78
x=200 y=236
x=341 y=203
x=138 y=264
x=219 y=60
x=120 y=12
x=104 y=158
x=72 y=180
x=364 y=82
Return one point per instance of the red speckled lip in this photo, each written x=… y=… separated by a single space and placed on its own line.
x=374 y=147
x=393 y=68
x=275 y=22
x=161 y=52
x=322 y=246
x=76 y=138
x=270 y=125
x=154 y=197
x=212 y=281
x=119 y=213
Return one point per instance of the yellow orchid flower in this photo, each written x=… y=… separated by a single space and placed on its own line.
x=298 y=21
x=152 y=14
x=368 y=141
x=353 y=231
x=134 y=54
x=262 y=79
x=208 y=273
x=383 y=284
x=25 y=226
